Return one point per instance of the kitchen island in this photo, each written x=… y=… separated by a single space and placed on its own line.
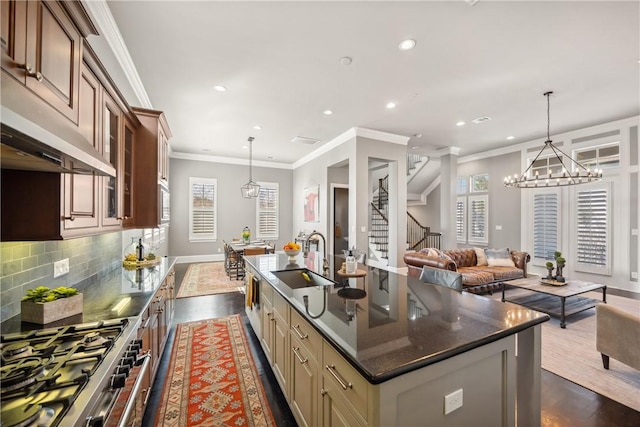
x=413 y=353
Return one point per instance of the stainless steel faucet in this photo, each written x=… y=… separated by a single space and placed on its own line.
x=325 y=263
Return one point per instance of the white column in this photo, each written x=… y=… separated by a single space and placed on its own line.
x=448 y=179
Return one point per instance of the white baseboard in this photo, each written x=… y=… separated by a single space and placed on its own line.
x=199 y=258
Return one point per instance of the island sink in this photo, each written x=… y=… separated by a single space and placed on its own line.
x=302 y=278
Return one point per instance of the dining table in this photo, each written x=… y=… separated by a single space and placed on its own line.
x=237 y=252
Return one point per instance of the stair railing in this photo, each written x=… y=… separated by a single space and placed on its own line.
x=412 y=159
x=383 y=192
x=419 y=236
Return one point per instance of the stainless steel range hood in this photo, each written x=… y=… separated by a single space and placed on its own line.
x=27 y=145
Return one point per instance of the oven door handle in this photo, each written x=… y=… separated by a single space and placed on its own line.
x=135 y=389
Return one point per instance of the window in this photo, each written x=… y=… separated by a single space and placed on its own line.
x=478 y=219
x=593 y=234
x=607 y=156
x=461 y=219
x=544 y=165
x=203 y=206
x=461 y=186
x=267 y=211
x=480 y=183
x=545 y=225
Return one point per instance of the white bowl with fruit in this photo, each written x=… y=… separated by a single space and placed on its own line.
x=292 y=249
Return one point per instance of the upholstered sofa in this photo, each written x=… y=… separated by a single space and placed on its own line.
x=475 y=278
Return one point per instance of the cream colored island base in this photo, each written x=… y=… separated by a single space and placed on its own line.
x=324 y=389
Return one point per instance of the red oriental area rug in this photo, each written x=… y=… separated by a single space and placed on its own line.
x=212 y=378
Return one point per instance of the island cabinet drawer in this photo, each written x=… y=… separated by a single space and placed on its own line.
x=308 y=337
x=346 y=380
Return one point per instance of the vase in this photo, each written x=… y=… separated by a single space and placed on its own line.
x=559 y=267
x=550 y=273
x=47 y=312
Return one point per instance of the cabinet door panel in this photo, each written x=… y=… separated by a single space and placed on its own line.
x=53 y=49
x=280 y=351
x=13 y=31
x=112 y=197
x=304 y=385
x=80 y=201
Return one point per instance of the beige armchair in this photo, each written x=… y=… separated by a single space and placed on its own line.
x=617 y=335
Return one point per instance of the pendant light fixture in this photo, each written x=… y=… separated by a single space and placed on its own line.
x=561 y=177
x=250 y=189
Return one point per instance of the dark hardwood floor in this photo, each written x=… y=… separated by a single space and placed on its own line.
x=564 y=404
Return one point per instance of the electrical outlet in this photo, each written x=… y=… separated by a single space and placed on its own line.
x=452 y=401
x=60 y=268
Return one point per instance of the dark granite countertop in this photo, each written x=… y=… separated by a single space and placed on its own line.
x=402 y=324
x=133 y=289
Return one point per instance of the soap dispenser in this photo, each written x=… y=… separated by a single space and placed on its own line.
x=352 y=264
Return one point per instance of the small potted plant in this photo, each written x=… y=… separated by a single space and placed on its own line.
x=549 y=266
x=43 y=305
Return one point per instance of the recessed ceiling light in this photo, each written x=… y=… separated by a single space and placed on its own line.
x=220 y=88
x=407 y=44
x=257 y=127
x=461 y=123
x=417 y=135
x=391 y=105
x=327 y=112
x=345 y=60
x=245 y=147
x=415 y=147
x=481 y=119
x=510 y=137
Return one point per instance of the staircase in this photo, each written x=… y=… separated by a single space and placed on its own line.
x=379 y=228
x=418 y=236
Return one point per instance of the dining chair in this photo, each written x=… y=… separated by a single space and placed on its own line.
x=234 y=264
x=255 y=251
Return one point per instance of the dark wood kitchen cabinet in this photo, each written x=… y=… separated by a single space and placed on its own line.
x=42 y=49
x=151 y=175
x=155 y=324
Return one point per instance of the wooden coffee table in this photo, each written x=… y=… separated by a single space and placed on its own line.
x=559 y=301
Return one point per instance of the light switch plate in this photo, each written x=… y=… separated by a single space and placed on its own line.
x=60 y=268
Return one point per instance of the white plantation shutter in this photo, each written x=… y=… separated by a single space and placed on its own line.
x=267 y=211
x=203 y=209
x=478 y=219
x=461 y=219
x=593 y=235
x=545 y=225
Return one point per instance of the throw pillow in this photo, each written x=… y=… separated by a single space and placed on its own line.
x=480 y=255
x=430 y=252
x=499 y=258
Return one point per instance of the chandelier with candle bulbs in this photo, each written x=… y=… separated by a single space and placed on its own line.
x=562 y=177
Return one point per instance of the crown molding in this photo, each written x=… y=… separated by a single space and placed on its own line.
x=382 y=136
x=449 y=151
x=108 y=29
x=228 y=160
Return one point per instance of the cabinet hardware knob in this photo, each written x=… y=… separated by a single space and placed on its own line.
x=69 y=218
x=323 y=392
x=331 y=368
x=28 y=68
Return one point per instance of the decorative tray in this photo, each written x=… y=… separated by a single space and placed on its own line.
x=552 y=282
x=132 y=265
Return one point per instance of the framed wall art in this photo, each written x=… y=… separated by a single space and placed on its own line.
x=311 y=204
